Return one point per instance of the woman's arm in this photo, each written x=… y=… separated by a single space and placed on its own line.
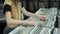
x=32 y=14
x=9 y=20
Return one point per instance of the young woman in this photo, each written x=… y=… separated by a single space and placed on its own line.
x=12 y=11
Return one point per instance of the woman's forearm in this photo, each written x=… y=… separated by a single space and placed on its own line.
x=18 y=22
x=29 y=14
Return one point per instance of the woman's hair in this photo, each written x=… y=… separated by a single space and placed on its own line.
x=15 y=10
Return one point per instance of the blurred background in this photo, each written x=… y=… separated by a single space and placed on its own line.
x=31 y=6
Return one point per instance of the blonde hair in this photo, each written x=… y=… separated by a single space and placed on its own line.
x=15 y=9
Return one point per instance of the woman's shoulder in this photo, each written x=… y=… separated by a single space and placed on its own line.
x=6 y=8
x=7 y=5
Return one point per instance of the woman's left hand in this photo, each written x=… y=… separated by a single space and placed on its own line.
x=42 y=17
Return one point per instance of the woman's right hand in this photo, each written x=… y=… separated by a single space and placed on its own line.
x=30 y=22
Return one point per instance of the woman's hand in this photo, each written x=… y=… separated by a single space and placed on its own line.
x=42 y=17
x=30 y=22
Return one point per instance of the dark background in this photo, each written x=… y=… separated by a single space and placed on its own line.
x=32 y=6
